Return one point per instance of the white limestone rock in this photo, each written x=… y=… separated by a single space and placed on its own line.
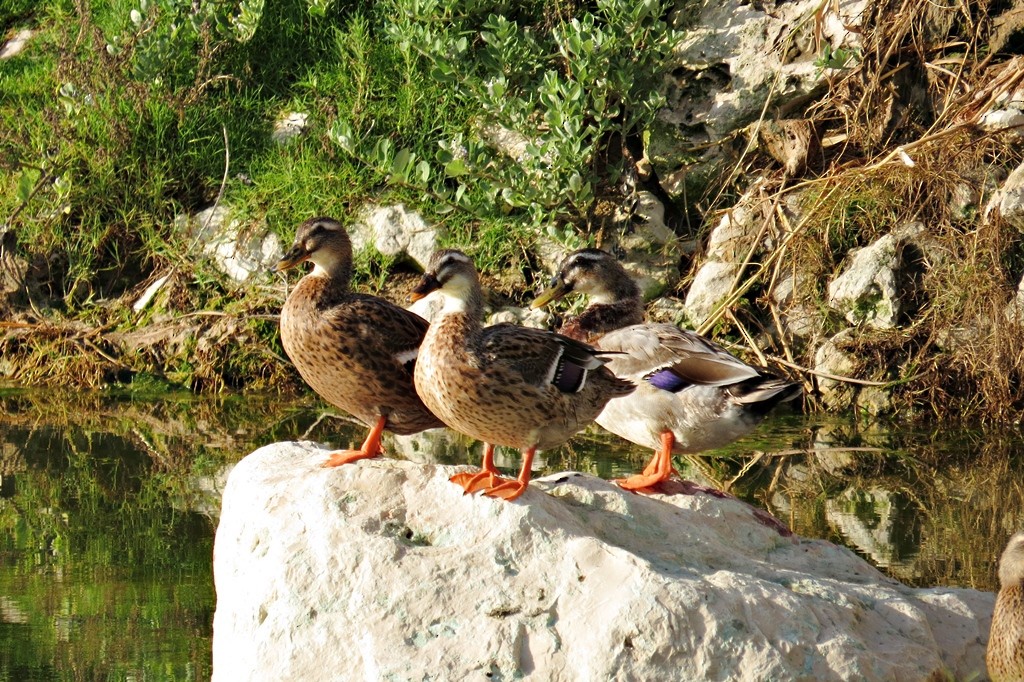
x=831 y=364
x=17 y=44
x=735 y=56
x=539 y=318
x=395 y=231
x=1015 y=309
x=1008 y=201
x=1006 y=112
x=729 y=244
x=868 y=290
x=289 y=126
x=384 y=570
x=762 y=50
x=237 y=249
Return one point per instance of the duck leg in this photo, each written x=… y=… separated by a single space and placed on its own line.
x=471 y=482
x=371 y=448
x=659 y=469
x=510 y=489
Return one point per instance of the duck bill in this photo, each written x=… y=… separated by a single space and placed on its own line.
x=289 y=260
x=427 y=284
x=551 y=294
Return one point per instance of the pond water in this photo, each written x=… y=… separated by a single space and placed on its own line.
x=108 y=508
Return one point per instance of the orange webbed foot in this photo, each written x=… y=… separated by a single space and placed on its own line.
x=472 y=482
x=341 y=457
x=659 y=469
x=506 y=489
x=371 y=448
x=640 y=483
x=491 y=483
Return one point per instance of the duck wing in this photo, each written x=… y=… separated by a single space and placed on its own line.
x=540 y=357
x=670 y=357
x=377 y=325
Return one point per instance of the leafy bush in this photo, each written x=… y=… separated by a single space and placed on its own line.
x=564 y=90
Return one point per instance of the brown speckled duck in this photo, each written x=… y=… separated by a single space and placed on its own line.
x=692 y=394
x=357 y=351
x=1005 y=654
x=504 y=385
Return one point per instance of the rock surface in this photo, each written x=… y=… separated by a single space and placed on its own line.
x=383 y=570
x=869 y=289
x=396 y=232
x=236 y=249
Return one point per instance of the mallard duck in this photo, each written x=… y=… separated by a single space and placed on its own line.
x=1005 y=654
x=355 y=350
x=504 y=385
x=692 y=394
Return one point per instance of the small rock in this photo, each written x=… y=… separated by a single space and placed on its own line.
x=289 y=126
x=538 y=318
x=874 y=400
x=729 y=244
x=711 y=285
x=869 y=291
x=1007 y=114
x=428 y=307
x=652 y=227
x=1008 y=201
x=16 y=45
x=831 y=359
x=395 y=232
x=238 y=251
x=793 y=295
x=1015 y=311
x=667 y=309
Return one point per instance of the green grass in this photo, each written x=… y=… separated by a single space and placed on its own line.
x=112 y=125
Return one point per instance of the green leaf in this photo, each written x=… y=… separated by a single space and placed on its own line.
x=423 y=171
x=455 y=168
x=26 y=183
x=400 y=165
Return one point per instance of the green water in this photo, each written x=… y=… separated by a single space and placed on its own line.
x=108 y=508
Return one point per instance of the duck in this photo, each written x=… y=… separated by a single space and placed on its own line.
x=692 y=395
x=356 y=351
x=1004 y=655
x=506 y=385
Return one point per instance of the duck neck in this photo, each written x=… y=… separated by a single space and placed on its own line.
x=461 y=315
x=337 y=271
x=600 y=318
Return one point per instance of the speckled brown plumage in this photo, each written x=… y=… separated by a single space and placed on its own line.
x=505 y=385
x=1005 y=654
x=356 y=351
x=692 y=394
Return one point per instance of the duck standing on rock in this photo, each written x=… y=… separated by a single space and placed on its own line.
x=504 y=385
x=1005 y=654
x=692 y=394
x=355 y=350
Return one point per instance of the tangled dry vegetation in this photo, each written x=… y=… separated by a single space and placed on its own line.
x=891 y=141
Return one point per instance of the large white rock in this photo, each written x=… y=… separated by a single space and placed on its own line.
x=383 y=570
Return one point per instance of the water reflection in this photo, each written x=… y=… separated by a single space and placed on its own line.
x=108 y=508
